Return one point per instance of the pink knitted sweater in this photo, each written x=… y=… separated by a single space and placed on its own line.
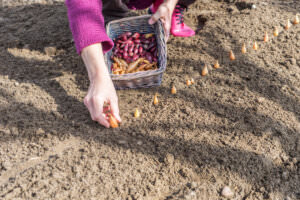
x=87 y=22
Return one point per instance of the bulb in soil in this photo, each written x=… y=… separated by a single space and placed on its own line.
x=255 y=46
x=173 y=90
x=155 y=100
x=188 y=82
x=296 y=20
x=136 y=113
x=266 y=37
x=231 y=55
x=276 y=32
x=204 y=71
x=217 y=65
x=244 y=49
x=288 y=25
x=113 y=122
x=192 y=81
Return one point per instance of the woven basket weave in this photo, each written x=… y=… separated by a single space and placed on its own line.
x=142 y=79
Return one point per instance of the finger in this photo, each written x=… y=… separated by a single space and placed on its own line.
x=98 y=111
x=103 y=121
x=154 y=18
x=167 y=28
x=115 y=110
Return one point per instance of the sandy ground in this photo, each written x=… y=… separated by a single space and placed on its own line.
x=238 y=127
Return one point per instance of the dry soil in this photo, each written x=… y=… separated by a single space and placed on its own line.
x=239 y=126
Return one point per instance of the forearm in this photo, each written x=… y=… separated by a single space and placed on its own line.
x=101 y=89
x=171 y=4
x=93 y=59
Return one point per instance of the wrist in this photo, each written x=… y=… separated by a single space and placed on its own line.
x=94 y=61
x=98 y=74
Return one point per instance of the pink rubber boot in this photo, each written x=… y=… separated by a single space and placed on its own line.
x=178 y=27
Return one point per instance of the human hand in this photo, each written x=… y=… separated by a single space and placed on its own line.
x=100 y=93
x=101 y=90
x=164 y=13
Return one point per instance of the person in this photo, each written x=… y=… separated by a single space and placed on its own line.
x=86 y=20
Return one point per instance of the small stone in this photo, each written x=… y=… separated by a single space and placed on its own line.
x=233 y=10
x=284 y=157
x=6 y=131
x=190 y=196
x=260 y=99
x=287 y=198
x=2 y=19
x=253 y=6
x=14 y=131
x=298 y=124
x=227 y=192
x=17 y=84
x=285 y=175
x=293 y=61
x=40 y=131
x=262 y=189
x=294 y=160
x=139 y=142
x=26 y=46
x=34 y=158
x=193 y=185
x=264 y=3
x=122 y=142
x=169 y=159
x=6 y=165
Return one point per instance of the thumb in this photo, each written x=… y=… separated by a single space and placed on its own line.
x=154 y=18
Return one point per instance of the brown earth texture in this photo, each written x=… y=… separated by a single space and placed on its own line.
x=237 y=127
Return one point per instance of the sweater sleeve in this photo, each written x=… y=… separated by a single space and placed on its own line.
x=87 y=24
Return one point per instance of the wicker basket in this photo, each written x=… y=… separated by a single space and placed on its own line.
x=142 y=79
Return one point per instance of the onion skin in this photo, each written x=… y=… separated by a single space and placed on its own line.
x=113 y=122
x=217 y=65
x=231 y=56
x=173 y=90
x=204 y=71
